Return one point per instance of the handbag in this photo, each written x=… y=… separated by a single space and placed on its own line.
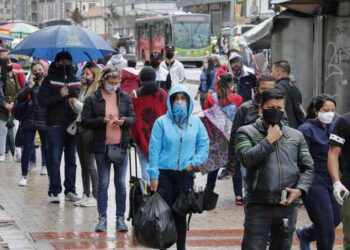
x=72 y=128
x=116 y=153
x=189 y=202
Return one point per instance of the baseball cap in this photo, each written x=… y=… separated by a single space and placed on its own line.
x=169 y=47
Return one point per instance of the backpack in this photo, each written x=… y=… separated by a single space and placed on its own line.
x=293 y=93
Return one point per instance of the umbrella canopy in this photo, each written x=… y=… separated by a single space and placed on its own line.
x=6 y=37
x=18 y=29
x=82 y=44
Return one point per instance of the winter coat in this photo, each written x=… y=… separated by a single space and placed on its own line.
x=118 y=62
x=175 y=148
x=272 y=168
x=93 y=118
x=58 y=110
x=130 y=80
x=177 y=72
x=35 y=115
x=204 y=86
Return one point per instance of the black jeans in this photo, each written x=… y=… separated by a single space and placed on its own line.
x=171 y=183
x=261 y=220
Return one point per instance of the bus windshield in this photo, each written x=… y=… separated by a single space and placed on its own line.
x=191 y=34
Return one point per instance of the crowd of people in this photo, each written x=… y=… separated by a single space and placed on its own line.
x=253 y=128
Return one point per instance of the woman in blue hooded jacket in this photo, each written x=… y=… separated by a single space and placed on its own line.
x=179 y=144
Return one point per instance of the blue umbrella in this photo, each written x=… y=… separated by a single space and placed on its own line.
x=81 y=43
x=6 y=37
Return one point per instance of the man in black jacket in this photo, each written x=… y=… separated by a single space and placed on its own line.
x=281 y=71
x=279 y=170
x=57 y=88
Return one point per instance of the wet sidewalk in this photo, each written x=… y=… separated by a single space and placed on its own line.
x=28 y=221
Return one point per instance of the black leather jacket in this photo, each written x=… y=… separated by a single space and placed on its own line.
x=273 y=168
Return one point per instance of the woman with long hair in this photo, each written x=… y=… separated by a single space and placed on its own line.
x=319 y=202
x=34 y=119
x=89 y=84
x=109 y=113
x=226 y=102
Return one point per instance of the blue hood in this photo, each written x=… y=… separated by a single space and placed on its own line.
x=179 y=88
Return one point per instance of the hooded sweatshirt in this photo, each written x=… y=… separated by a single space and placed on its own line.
x=117 y=61
x=130 y=79
x=175 y=148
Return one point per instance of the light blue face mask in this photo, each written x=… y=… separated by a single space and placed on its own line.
x=180 y=112
x=110 y=88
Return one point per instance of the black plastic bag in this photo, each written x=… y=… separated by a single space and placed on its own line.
x=154 y=224
x=189 y=202
x=210 y=200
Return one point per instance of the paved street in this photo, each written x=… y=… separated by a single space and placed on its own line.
x=28 y=221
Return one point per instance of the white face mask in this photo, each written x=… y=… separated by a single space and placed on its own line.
x=325 y=117
x=110 y=88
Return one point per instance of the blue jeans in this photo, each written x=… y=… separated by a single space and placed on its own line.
x=58 y=140
x=323 y=210
x=28 y=141
x=43 y=154
x=143 y=162
x=103 y=170
x=237 y=182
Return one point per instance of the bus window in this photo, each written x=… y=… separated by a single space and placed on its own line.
x=191 y=34
x=168 y=38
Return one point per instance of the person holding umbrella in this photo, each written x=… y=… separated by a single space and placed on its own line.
x=55 y=94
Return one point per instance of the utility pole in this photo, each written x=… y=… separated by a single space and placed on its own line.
x=232 y=19
x=124 y=21
x=12 y=11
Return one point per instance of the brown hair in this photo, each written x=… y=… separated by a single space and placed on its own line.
x=223 y=91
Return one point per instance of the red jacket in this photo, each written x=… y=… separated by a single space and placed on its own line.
x=18 y=70
x=210 y=101
x=130 y=80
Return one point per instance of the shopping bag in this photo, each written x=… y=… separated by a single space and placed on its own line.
x=154 y=223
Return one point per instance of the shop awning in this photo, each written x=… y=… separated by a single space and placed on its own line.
x=259 y=37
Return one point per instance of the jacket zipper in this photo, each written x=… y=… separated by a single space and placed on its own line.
x=279 y=167
x=178 y=159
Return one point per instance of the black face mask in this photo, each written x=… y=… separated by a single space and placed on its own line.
x=39 y=76
x=9 y=68
x=154 y=64
x=169 y=55
x=272 y=116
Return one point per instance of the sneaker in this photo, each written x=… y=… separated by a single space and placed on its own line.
x=78 y=203
x=304 y=242
x=101 y=225
x=54 y=198
x=239 y=201
x=120 y=225
x=71 y=197
x=223 y=175
x=22 y=182
x=89 y=202
x=43 y=170
x=2 y=158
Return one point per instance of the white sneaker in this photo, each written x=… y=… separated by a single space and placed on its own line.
x=71 y=197
x=78 y=203
x=22 y=182
x=2 y=158
x=90 y=202
x=54 y=198
x=43 y=170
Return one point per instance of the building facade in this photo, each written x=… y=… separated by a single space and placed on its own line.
x=244 y=11
x=7 y=10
